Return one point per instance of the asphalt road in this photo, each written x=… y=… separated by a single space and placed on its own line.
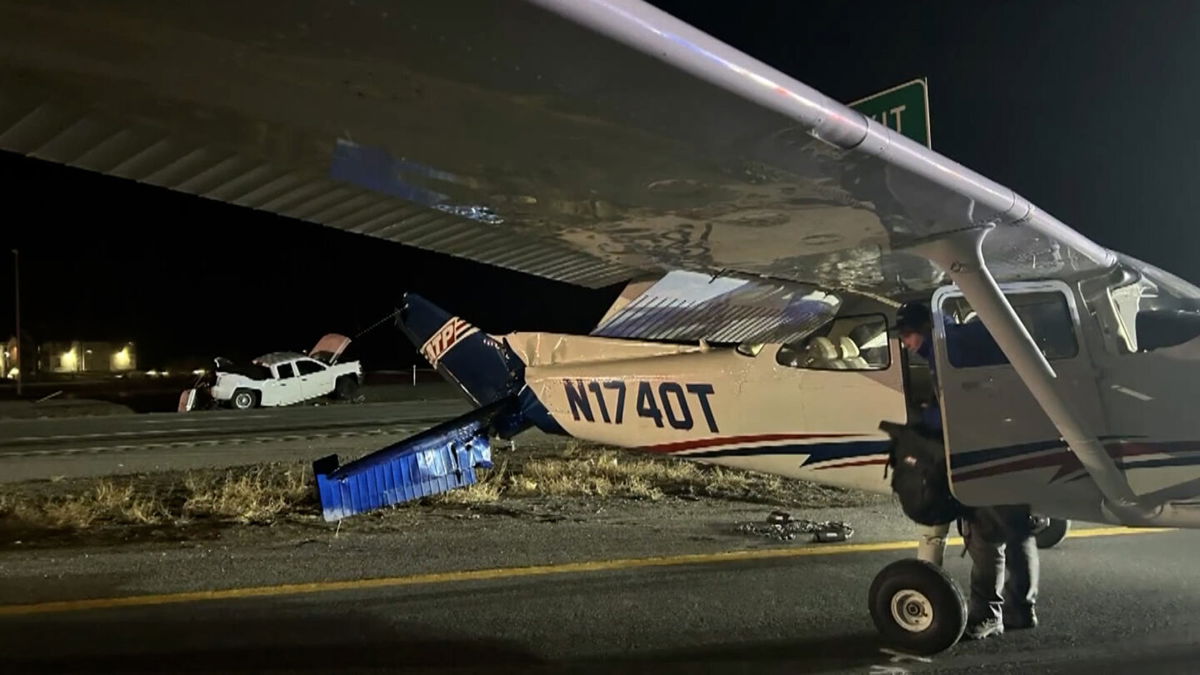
x=93 y=446
x=1110 y=604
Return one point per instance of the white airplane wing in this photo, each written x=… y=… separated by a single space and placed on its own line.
x=588 y=141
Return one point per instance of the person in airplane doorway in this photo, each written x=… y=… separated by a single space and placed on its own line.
x=997 y=538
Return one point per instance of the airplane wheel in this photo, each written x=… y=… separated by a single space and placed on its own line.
x=917 y=607
x=1052 y=533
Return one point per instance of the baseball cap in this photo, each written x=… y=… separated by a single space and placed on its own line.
x=912 y=316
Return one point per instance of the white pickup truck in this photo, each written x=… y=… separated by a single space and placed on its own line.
x=285 y=378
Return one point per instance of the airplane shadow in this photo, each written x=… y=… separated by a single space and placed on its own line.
x=820 y=655
x=226 y=642
x=234 y=644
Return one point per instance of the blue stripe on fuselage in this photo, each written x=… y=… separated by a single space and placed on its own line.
x=973 y=457
x=960 y=460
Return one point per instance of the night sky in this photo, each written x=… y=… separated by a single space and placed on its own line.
x=1088 y=109
x=186 y=278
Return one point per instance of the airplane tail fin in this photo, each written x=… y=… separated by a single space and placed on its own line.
x=483 y=367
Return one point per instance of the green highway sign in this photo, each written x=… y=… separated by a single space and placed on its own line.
x=903 y=108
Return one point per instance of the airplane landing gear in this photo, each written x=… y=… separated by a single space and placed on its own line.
x=917 y=607
x=1048 y=532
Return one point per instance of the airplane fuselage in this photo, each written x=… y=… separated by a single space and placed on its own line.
x=720 y=405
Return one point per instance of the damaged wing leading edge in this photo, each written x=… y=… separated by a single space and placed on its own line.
x=688 y=306
x=610 y=140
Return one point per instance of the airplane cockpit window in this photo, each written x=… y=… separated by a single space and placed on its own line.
x=1144 y=308
x=1046 y=316
x=847 y=343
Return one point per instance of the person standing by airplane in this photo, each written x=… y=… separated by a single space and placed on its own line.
x=990 y=532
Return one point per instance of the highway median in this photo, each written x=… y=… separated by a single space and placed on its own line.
x=176 y=505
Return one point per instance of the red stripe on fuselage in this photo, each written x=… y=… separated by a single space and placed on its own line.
x=862 y=462
x=737 y=440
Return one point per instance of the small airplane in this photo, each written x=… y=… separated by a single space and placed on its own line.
x=602 y=141
x=808 y=408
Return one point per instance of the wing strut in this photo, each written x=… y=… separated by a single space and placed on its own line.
x=960 y=255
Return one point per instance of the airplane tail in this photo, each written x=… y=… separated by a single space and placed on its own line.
x=446 y=456
x=483 y=367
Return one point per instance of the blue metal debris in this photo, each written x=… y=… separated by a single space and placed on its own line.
x=433 y=461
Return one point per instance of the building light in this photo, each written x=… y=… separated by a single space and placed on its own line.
x=70 y=360
x=121 y=360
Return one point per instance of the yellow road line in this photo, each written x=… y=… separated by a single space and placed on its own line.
x=495 y=573
x=1115 y=531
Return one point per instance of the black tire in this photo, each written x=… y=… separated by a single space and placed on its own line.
x=346 y=388
x=244 y=399
x=1053 y=533
x=917 y=607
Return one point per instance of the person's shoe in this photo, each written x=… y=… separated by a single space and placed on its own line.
x=982 y=630
x=1020 y=620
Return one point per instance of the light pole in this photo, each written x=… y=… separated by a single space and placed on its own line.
x=17 y=303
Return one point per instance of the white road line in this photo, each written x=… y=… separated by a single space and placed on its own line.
x=226 y=418
x=109 y=434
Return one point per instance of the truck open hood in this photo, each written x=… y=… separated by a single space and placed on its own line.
x=329 y=348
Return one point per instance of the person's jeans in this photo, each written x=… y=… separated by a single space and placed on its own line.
x=1021 y=589
x=990 y=591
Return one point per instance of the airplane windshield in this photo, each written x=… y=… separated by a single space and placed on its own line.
x=1147 y=307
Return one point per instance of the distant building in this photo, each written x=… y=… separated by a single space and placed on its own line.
x=76 y=356
x=86 y=357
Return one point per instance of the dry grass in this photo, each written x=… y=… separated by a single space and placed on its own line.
x=585 y=470
x=258 y=494
x=264 y=494
x=602 y=474
x=598 y=472
x=106 y=501
x=255 y=495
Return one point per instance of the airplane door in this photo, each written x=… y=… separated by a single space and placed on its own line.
x=1003 y=449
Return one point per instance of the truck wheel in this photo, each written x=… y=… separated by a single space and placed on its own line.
x=346 y=388
x=917 y=607
x=244 y=399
